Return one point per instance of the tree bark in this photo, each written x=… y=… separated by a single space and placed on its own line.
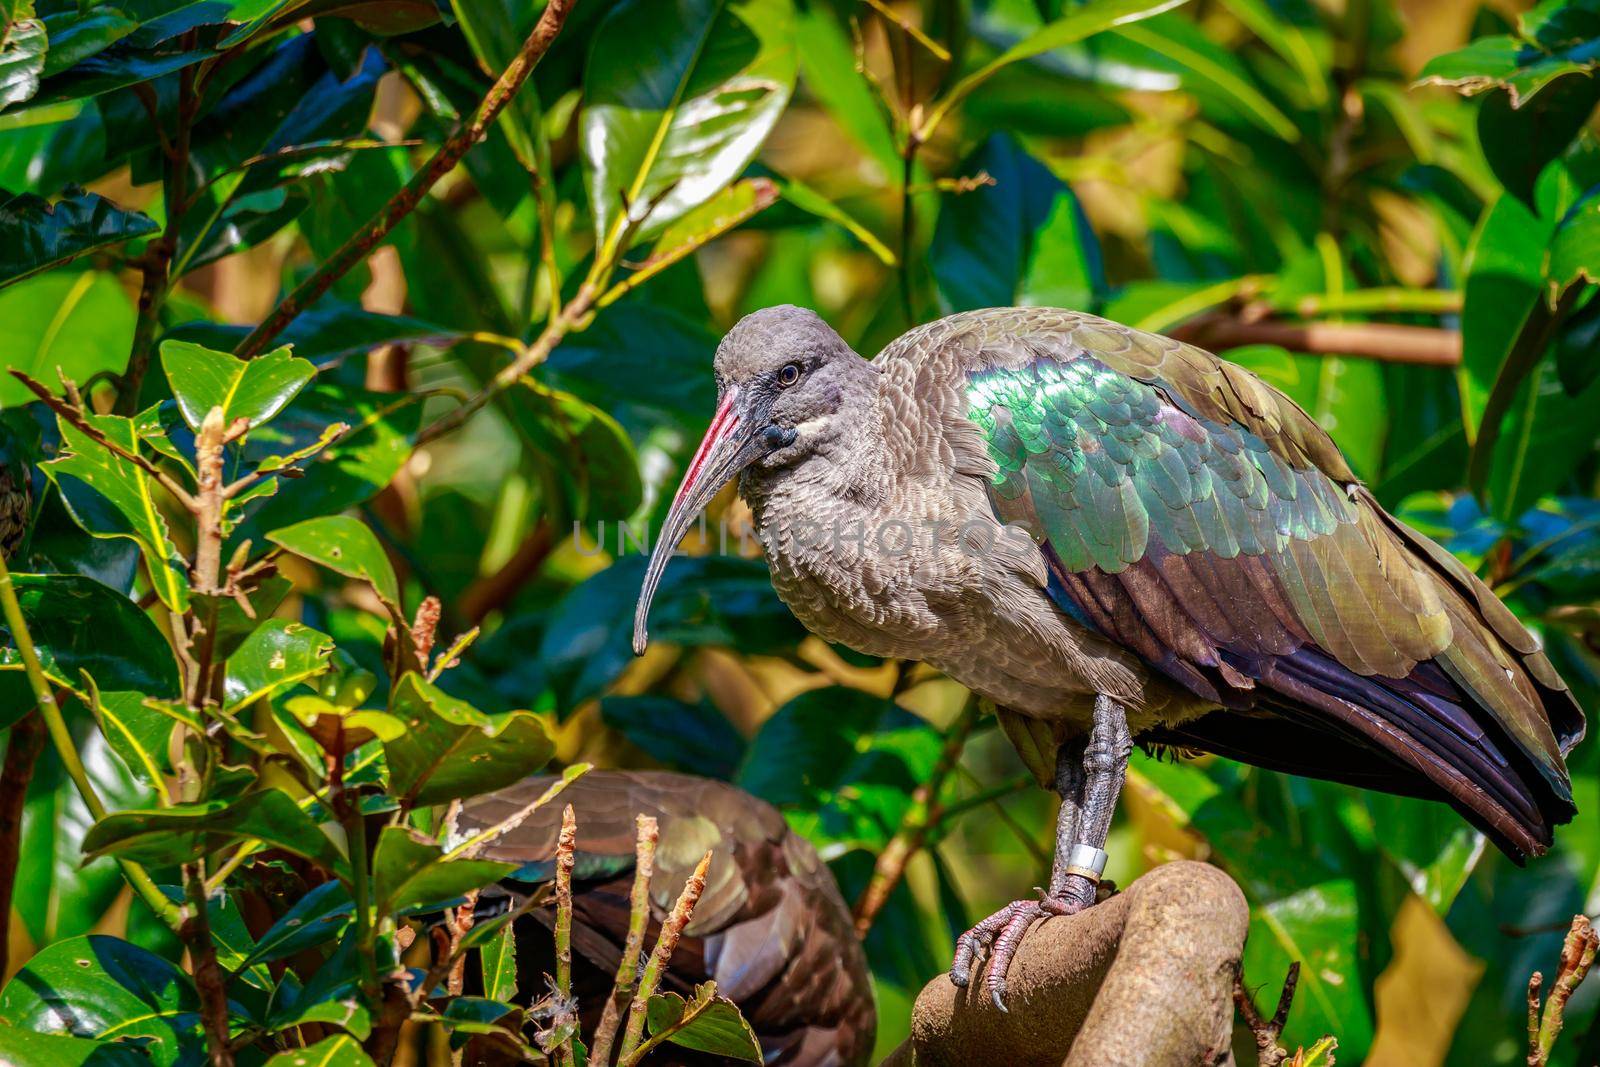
x=1143 y=979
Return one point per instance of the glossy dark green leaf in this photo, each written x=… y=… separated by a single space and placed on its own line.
x=36 y=235
x=1575 y=249
x=498 y=959
x=123 y=650
x=585 y=452
x=665 y=381
x=1546 y=434
x=1519 y=142
x=327 y=333
x=277 y=655
x=331 y=995
x=23 y=47
x=712 y=600
x=690 y=737
x=136 y=732
x=315 y=919
x=718 y=1029
x=678 y=98
x=345 y=546
x=452 y=749
x=1023 y=240
x=75 y=35
x=183 y=832
x=1524 y=64
x=104 y=987
x=362 y=462
x=251 y=389
x=110 y=496
x=21 y=1046
x=160 y=46
x=338 y=1051
x=409 y=870
x=223 y=224
x=81 y=323
x=1502 y=286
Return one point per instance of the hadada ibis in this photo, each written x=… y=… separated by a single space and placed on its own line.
x=770 y=928
x=1114 y=536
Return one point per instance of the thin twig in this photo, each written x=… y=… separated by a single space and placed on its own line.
x=1577 y=957
x=22 y=753
x=363 y=241
x=910 y=29
x=1386 y=342
x=922 y=814
x=157 y=262
x=644 y=863
x=1267 y=1032
x=79 y=421
x=566 y=855
x=661 y=957
x=208 y=976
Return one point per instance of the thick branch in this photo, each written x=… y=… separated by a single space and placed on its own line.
x=1422 y=345
x=208 y=977
x=1144 y=978
x=364 y=240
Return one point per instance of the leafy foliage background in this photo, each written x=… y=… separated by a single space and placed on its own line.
x=1255 y=174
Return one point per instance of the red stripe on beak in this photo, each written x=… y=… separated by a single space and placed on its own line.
x=722 y=424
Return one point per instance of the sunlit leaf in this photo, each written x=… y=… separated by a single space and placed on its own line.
x=717 y=1027
x=277 y=655
x=183 y=832
x=79 y=323
x=345 y=546
x=409 y=869
x=451 y=749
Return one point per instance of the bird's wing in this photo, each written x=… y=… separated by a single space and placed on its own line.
x=1201 y=519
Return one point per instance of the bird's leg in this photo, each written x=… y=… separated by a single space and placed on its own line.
x=1089 y=776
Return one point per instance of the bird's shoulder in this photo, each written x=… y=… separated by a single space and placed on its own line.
x=929 y=369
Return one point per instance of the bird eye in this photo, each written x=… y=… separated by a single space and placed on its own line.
x=789 y=374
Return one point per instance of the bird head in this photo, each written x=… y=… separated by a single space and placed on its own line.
x=783 y=377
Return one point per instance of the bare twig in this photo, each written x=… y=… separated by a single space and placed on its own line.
x=566 y=855
x=363 y=241
x=494 y=591
x=208 y=461
x=661 y=957
x=1267 y=1032
x=157 y=261
x=644 y=862
x=22 y=752
x=1577 y=956
x=460 y=923
x=910 y=29
x=76 y=418
x=922 y=814
x=1389 y=343
x=208 y=977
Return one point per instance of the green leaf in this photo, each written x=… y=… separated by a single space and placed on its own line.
x=1519 y=142
x=136 y=732
x=279 y=654
x=1574 y=253
x=1319 y=927
x=110 y=496
x=77 y=35
x=315 y=919
x=1523 y=65
x=1083 y=22
x=452 y=749
x=677 y=99
x=1279 y=32
x=828 y=65
x=338 y=1051
x=36 y=235
x=1545 y=435
x=104 y=987
x=79 y=322
x=122 y=650
x=345 y=546
x=584 y=452
x=251 y=389
x=718 y=1028
x=332 y=995
x=812 y=202
x=328 y=332
x=25 y=1047
x=1502 y=286
x=1208 y=69
x=691 y=737
x=409 y=870
x=499 y=964
x=22 y=52
x=365 y=459
x=183 y=832
x=1023 y=240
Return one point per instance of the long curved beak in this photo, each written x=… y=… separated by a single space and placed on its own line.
x=727 y=446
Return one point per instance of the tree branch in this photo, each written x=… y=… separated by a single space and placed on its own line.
x=22 y=752
x=644 y=865
x=923 y=813
x=208 y=977
x=661 y=957
x=363 y=241
x=1421 y=345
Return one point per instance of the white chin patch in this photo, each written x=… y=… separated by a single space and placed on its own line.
x=811 y=426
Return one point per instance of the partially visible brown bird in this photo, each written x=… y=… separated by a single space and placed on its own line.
x=771 y=928
x=16 y=498
x=1112 y=535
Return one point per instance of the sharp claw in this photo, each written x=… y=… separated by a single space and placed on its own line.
x=998 y=995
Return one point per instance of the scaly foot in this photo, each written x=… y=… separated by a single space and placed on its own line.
x=1001 y=933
